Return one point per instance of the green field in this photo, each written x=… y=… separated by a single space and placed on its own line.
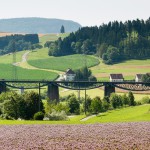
x=51 y=37
x=129 y=114
x=7 y=73
x=8 y=58
x=99 y=92
x=64 y=62
x=128 y=68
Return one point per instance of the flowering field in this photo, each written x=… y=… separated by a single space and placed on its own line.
x=97 y=136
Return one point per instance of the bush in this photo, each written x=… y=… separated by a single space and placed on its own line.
x=131 y=99
x=56 y=106
x=55 y=115
x=115 y=100
x=125 y=99
x=145 y=100
x=38 y=116
x=74 y=105
x=96 y=105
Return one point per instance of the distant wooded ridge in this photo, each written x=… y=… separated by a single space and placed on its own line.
x=113 y=42
x=12 y=43
x=37 y=25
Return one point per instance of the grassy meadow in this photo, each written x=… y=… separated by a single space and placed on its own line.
x=51 y=37
x=64 y=62
x=100 y=92
x=7 y=73
x=124 y=115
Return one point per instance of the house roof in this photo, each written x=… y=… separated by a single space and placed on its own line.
x=116 y=76
x=139 y=76
x=69 y=71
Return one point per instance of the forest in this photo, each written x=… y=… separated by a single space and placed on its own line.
x=18 y=42
x=113 y=42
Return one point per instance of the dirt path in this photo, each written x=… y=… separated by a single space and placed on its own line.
x=24 y=64
x=85 y=119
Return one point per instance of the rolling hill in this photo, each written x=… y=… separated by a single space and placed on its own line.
x=37 y=25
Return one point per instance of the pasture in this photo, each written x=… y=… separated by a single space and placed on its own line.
x=100 y=92
x=51 y=37
x=64 y=62
x=7 y=71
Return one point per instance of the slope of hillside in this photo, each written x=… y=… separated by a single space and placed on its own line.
x=37 y=25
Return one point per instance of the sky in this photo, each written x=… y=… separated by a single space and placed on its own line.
x=85 y=12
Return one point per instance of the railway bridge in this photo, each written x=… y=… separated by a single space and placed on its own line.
x=53 y=86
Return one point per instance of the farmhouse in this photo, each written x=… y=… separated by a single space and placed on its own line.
x=69 y=75
x=138 y=77
x=116 y=78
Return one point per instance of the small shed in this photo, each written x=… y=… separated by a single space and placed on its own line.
x=116 y=78
x=69 y=75
x=138 y=77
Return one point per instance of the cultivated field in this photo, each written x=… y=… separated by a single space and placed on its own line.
x=99 y=136
x=128 y=68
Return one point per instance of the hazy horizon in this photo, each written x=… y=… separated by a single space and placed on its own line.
x=86 y=13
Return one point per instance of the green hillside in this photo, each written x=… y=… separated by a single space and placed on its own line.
x=129 y=114
x=52 y=37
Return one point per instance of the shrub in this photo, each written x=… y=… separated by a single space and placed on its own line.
x=125 y=99
x=88 y=104
x=38 y=116
x=145 y=100
x=74 y=105
x=96 y=105
x=115 y=100
x=56 y=106
x=55 y=115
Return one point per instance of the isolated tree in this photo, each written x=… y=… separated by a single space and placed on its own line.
x=131 y=99
x=62 y=29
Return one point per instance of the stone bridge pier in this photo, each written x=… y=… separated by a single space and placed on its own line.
x=53 y=92
x=2 y=87
x=108 y=89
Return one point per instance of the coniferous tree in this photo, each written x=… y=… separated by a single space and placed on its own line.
x=62 y=29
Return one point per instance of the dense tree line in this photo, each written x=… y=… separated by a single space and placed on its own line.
x=113 y=42
x=19 y=42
